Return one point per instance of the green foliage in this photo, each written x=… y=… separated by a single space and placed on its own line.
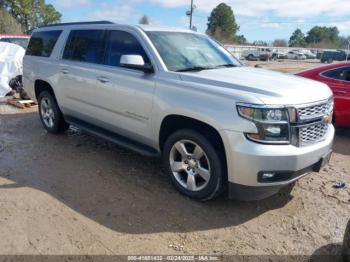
x=322 y=36
x=240 y=39
x=222 y=24
x=8 y=25
x=144 y=20
x=297 y=39
x=32 y=13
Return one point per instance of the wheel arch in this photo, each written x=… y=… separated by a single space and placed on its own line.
x=174 y=122
x=42 y=85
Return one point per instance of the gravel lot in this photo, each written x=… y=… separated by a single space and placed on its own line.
x=76 y=194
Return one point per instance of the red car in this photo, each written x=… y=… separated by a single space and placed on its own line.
x=337 y=77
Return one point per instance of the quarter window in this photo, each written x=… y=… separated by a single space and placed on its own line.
x=85 y=46
x=342 y=73
x=42 y=43
x=122 y=43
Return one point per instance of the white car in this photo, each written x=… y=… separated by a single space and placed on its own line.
x=219 y=126
x=295 y=55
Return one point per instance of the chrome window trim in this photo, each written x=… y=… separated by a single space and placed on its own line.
x=335 y=79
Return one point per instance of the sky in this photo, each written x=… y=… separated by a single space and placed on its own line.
x=258 y=19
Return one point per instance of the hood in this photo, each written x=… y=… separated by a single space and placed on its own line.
x=268 y=86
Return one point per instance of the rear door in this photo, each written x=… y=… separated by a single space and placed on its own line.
x=339 y=81
x=82 y=57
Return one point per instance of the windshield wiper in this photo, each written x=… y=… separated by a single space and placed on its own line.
x=200 y=68
x=194 y=68
x=226 y=65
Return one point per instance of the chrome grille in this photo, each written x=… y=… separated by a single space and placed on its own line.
x=314 y=111
x=312 y=133
x=310 y=126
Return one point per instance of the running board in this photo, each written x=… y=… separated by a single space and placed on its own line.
x=113 y=137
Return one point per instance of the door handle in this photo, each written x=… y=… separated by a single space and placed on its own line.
x=340 y=92
x=64 y=71
x=103 y=79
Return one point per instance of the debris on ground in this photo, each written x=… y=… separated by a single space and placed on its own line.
x=339 y=184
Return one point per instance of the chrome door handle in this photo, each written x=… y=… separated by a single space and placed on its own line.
x=103 y=79
x=340 y=92
x=64 y=71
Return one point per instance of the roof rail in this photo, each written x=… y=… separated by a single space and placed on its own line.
x=78 y=23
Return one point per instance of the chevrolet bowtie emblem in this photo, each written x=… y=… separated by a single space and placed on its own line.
x=328 y=118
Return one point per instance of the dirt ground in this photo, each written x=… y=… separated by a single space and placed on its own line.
x=77 y=194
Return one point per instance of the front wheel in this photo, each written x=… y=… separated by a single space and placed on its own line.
x=50 y=114
x=193 y=164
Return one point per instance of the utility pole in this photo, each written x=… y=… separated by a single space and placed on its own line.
x=191 y=14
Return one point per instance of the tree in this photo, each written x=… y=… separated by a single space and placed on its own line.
x=8 y=25
x=297 y=39
x=32 y=13
x=222 y=23
x=323 y=37
x=344 y=42
x=280 y=43
x=240 y=39
x=144 y=20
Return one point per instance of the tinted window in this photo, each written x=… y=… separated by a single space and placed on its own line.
x=23 y=42
x=338 y=74
x=122 y=43
x=42 y=43
x=85 y=46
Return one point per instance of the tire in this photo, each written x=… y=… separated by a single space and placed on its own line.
x=50 y=115
x=250 y=57
x=346 y=244
x=198 y=175
x=329 y=60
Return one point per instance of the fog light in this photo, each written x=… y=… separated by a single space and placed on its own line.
x=268 y=175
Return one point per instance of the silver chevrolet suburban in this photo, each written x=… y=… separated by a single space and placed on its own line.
x=220 y=127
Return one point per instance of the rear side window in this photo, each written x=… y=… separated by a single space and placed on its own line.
x=85 y=46
x=42 y=43
x=337 y=74
x=122 y=43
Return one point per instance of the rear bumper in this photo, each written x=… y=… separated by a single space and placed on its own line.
x=247 y=160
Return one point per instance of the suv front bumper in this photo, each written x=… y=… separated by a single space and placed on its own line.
x=247 y=161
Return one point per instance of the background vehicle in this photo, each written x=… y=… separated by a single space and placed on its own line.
x=217 y=124
x=279 y=54
x=21 y=40
x=308 y=54
x=338 y=55
x=337 y=77
x=260 y=53
x=295 y=55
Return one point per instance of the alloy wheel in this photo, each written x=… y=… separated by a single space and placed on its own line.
x=189 y=165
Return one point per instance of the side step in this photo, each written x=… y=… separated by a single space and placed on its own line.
x=114 y=137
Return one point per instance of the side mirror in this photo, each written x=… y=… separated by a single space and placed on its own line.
x=135 y=62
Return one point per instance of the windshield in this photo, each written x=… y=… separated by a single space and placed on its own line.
x=190 y=52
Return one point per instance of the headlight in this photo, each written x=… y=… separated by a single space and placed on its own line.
x=272 y=123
